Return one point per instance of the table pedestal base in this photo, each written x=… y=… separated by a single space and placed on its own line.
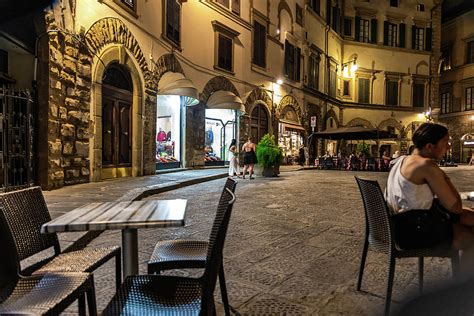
x=129 y=252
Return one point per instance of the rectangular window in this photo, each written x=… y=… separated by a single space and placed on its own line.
x=419 y=38
x=470 y=52
x=364 y=31
x=418 y=95
x=420 y=7
x=469 y=99
x=364 y=90
x=292 y=61
x=332 y=83
x=315 y=5
x=313 y=71
x=173 y=16
x=392 y=34
x=259 y=44
x=347 y=27
x=392 y=92
x=346 y=88
x=299 y=15
x=394 y=3
x=232 y=5
x=445 y=102
x=129 y=3
x=446 y=58
x=224 y=52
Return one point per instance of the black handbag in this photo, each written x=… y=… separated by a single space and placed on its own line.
x=416 y=229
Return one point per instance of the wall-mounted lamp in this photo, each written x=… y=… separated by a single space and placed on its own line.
x=349 y=68
x=279 y=82
x=427 y=115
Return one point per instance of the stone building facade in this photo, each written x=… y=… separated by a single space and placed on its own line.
x=241 y=49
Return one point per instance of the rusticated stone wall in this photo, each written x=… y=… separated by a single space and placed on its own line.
x=69 y=115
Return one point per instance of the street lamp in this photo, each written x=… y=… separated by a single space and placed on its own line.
x=349 y=68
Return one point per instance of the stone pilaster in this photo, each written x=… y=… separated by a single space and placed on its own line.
x=149 y=128
x=195 y=120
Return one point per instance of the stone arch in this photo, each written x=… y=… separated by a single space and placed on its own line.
x=289 y=100
x=391 y=122
x=419 y=66
x=330 y=114
x=283 y=6
x=166 y=62
x=113 y=31
x=260 y=95
x=359 y=122
x=218 y=83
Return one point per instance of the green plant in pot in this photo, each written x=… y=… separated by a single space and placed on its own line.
x=269 y=156
x=364 y=148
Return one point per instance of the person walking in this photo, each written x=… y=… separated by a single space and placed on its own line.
x=250 y=158
x=233 y=159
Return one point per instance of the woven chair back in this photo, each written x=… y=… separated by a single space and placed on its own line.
x=376 y=214
x=216 y=245
x=9 y=265
x=25 y=211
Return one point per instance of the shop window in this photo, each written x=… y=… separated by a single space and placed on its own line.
x=418 y=95
x=391 y=88
x=347 y=26
x=364 y=90
x=168 y=135
x=390 y=34
x=315 y=5
x=220 y=129
x=258 y=123
x=299 y=15
x=346 y=88
x=173 y=24
x=259 y=44
x=445 y=102
x=313 y=71
x=469 y=99
x=470 y=52
x=232 y=5
x=292 y=61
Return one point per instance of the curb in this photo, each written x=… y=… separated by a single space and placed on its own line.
x=141 y=193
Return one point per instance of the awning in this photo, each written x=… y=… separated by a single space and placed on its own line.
x=225 y=100
x=174 y=83
x=355 y=132
x=292 y=126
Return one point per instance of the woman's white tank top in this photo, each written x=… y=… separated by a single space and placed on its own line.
x=403 y=195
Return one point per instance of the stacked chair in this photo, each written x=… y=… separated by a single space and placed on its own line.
x=379 y=235
x=173 y=295
x=24 y=212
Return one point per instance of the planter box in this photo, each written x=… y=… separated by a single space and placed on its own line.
x=267 y=171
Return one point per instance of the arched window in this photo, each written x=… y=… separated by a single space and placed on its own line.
x=258 y=123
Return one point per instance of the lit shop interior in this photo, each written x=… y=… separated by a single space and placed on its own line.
x=168 y=131
x=290 y=135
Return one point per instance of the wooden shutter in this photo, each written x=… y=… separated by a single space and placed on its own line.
x=298 y=63
x=401 y=39
x=373 y=31
x=385 y=32
x=428 y=38
x=357 y=28
x=177 y=27
x=413 y=36
x=287 y=57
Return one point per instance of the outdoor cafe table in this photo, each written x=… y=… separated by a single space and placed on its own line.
x=127 y=216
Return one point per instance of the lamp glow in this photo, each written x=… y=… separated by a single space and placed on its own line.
x=279 y=82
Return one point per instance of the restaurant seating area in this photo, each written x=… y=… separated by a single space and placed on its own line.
x=352 y=163
x=50 y=285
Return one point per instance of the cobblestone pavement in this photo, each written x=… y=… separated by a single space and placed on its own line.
x=293 y=245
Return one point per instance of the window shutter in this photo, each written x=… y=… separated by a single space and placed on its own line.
x=357 y=28
x=177 y=26
x=401 y=39
x=428 y=38
x=413 y=37
x=385 y=33
x=287 y=57
x=373 y=31
x=298 y=63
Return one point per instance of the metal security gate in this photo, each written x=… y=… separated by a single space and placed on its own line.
x=16 y=139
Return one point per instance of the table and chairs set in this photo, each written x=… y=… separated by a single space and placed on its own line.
x=352 y=163
x=50 y=285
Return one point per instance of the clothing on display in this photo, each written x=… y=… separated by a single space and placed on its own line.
x=209 y=135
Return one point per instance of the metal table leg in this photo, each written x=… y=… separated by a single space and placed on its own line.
x=129 y=252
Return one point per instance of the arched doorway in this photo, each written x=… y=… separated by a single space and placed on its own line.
x=117 y=99
x=258 y=122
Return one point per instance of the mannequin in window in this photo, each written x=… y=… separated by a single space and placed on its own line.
x=161 y=135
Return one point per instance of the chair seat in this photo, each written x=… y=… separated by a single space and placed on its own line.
x=178 y=254
x=444 y=250
x=45 y=294
x=84 y=260
x=156 y=295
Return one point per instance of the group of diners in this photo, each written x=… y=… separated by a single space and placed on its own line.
x=355 y=161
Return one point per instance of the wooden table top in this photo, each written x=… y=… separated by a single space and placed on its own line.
x=120 y=215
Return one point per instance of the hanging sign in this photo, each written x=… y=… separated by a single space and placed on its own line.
x=313 y=121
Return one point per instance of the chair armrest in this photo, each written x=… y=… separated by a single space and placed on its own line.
x=83 y=241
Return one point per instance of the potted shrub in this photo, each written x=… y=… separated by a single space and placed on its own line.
x=269 y=156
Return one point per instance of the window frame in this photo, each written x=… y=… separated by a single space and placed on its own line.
x=423 y=85
x=469 y=102
x=314 y=58
x=225 y=31
x=470 y=52
x=349 y=20
x=362 y=28
x=420 y=38
x=315 y=6
x=394 y=3
x=230 y=6
x=389 y=81
x=292 y=66
x=392 y=34
x=176 y=43
x=359 y=89
x=445 y=102
x=128 y=8
x=265 y=26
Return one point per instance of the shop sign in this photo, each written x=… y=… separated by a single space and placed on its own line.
x=313 y=121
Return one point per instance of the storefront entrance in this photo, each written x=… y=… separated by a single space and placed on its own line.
x=258 y=123
x=116 y=122
x=219 y=131
x=168 y=135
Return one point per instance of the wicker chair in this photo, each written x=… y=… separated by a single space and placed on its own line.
x=173 y=295
x=25 y=211
x=182 y=254
x=47 y=294
x=379 y=235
